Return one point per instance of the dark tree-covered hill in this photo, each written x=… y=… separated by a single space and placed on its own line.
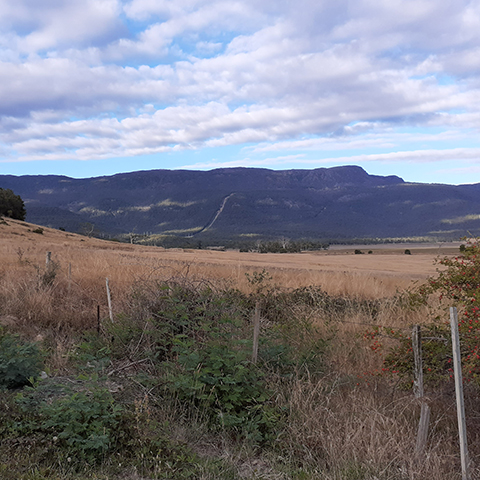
x=339 y=202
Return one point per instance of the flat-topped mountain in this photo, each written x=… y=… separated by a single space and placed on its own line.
x=339 y=202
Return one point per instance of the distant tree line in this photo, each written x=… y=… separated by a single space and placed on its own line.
x=11 y=205
x=285 y=246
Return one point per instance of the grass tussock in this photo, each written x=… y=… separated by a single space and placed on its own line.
x=169 y=390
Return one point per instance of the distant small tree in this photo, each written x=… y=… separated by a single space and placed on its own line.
x=88 y=229
x=11 y=205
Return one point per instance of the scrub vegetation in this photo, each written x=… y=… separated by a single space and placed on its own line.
x=168 y=389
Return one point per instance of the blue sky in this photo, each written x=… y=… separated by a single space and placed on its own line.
x=97 y=87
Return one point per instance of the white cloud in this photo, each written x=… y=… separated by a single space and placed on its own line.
x=244 y=162
x=55 y=24
x=92 y=79
x=417 y=156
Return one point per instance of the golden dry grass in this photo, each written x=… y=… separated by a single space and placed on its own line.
x=84 y=263
x=335 y=423
x=72 y=304
x=338 y=272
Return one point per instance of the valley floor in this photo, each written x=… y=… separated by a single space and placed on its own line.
x=176 y=391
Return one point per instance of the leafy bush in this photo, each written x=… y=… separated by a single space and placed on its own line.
x=82 y=423
x=20 y=362
x=221 y=380
x=198 y=339
x=11 y=205
x=457 y=285
x=203 y=338
x=162 y=311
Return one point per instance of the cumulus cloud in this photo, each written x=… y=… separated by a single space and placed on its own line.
x=96 y=79
x=472 y=155
x=52 y=25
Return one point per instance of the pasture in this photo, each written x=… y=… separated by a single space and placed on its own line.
x=337 y=270
x=179 y=395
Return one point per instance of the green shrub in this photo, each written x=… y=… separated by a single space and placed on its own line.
x=84 y=422
x=11 y=205
x=202 y=339
x=220 y=379
x=81 y=422
x=20 y=362
x=38 y=230
x=456 y=284
x=200 y=336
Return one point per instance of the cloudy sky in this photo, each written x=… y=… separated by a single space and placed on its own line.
x=96 y=87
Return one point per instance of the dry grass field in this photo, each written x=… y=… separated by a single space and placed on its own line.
x=337 y=271
x=345 y=422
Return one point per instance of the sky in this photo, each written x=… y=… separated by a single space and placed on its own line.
x=98 y=87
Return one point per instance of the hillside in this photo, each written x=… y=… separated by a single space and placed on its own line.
x=23 y=243
x=223 y=204
x=145 y=392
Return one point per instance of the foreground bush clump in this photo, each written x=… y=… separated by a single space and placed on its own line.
x=456 y=285
x=81 y=422
x=190 y=348
x=168 y=390
x=20 y=361
x=227 y=386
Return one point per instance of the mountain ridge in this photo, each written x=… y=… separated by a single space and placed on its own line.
x=226 y=203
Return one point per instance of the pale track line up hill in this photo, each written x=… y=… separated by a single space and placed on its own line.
x=217 y=214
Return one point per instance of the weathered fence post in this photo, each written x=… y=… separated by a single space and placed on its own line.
x=98 y=319
x=48 y=260
x=109 y=298
x=422 y=433
x=457 y=368
x=69 y=277
x=256 y=331
x=417 y=355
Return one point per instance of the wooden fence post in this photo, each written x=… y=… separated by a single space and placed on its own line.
x=256 y=332
x=457 y=368
x=109 y=298
x=417 y=355
x=422 y=433
x=48 y=260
